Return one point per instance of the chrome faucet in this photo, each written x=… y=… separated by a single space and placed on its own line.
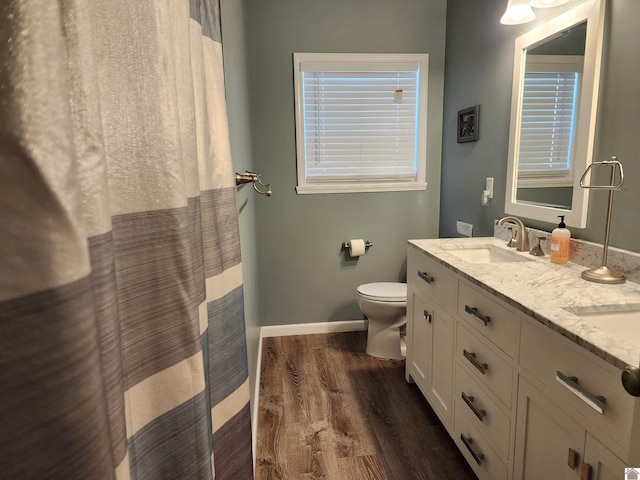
x=523 y=237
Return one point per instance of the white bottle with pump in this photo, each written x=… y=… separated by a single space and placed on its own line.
x=560 y=240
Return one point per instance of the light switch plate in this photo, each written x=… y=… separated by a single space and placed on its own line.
x=489 y=186
x=465 y=229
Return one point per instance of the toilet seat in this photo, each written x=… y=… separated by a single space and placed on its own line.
x=384 y=292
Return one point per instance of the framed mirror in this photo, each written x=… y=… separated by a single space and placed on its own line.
x=554 y=100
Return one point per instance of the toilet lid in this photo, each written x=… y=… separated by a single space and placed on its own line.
x=384 y=291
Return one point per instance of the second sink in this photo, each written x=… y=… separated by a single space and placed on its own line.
x=621 y=321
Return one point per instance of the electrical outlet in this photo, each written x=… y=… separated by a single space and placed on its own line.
x=465 y=229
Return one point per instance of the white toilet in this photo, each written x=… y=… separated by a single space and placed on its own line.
x=385 y=305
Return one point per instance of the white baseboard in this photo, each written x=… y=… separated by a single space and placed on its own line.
x=311 y=328
x=294 y=329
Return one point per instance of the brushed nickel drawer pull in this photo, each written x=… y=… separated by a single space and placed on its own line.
x=571 y=384
x=573 y=459
x=585 y=473
x=485 y=319
x=471 y=356
x=468 y=399
x=427 y=316
x=468 y=442
x=426 y=277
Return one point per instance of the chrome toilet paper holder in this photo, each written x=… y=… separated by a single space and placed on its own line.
x=347 y=244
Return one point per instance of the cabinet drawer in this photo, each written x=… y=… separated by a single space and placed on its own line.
x=551 y=358
x=485 y=364
x=484 y=460
x=484 y=313
x=430 y=277
x=483 y=411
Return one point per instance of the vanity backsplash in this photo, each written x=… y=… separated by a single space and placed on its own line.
x=587 y=254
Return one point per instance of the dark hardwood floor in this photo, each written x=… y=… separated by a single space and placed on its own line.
x=329 y=411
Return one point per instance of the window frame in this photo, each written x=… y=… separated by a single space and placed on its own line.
x=351 y=61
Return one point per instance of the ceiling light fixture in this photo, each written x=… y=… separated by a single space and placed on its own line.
x=547 y=3
x=517 y=12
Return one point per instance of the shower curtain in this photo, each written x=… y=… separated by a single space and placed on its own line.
x=122 y=345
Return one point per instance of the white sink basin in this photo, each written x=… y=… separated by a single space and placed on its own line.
x=624 y=324
x=485 y=254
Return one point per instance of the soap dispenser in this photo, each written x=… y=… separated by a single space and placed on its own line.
x=560 y=239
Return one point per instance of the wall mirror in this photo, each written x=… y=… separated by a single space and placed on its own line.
x=553 y=115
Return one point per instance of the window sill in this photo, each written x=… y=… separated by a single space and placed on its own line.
x=360 y=188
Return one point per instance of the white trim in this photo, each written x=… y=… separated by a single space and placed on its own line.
x=366 y=187
x=283 y=331
x=350 y=61
x=593 y=12
x=311 y=328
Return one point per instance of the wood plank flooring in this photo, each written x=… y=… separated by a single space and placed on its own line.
x=329 y=411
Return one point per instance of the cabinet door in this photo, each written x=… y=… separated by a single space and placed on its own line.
x=431 y=353
x=419 y=345
x=600 y=463
x=547 y=440
x=441 y=385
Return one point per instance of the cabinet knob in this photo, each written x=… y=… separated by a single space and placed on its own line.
x=631 y=380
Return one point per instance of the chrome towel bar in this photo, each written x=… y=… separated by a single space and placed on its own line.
x=253 y=177
x=603 y=274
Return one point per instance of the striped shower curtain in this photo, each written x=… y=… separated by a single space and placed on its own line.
x=122 y=346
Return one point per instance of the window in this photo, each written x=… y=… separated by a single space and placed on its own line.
x=548 y=120
x=360 y=122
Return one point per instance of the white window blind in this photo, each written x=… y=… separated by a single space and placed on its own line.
x=548 y=123
x=359 y=123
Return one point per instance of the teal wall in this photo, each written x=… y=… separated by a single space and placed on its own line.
x=617 y=130
x=291 y=243
x=237 y=91
x=302 y=272
x=479 y=62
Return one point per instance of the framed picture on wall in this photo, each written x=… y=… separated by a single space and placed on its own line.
x=468 y=124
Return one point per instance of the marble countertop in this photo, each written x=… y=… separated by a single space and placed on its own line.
x=550 y=293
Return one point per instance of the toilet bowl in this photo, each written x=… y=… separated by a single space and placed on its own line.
x=385 y=305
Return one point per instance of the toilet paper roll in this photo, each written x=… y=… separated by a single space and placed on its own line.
x=356 y=247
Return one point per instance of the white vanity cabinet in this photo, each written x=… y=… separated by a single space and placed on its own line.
x=487 y=334
x=570 y=405
x=431 y=296
x=521 y=401
x=461 y=345
x=599 y=462
x=551 y=444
